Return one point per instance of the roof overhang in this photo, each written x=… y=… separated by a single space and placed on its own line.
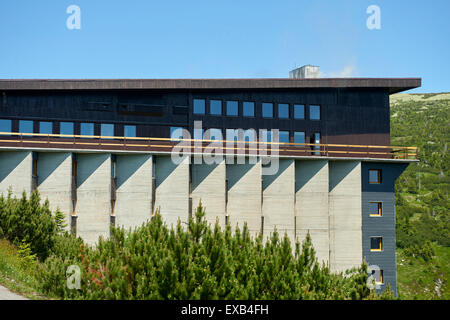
x=393 y=85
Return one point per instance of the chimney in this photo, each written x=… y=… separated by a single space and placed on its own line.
x=304 y=72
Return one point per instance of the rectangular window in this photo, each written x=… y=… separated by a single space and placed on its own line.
x=267 y=110
x=314 y=112
x=214 y=134
x=87 y=129
x=299 y=137
x=299 y=111
x=379 y=278
x=375 y=176
x=215 y=107
x=376 y=244
x=232 y=108
x=283 y=136
x=199 y=106
x=176 y=133
x=25 y=126
x=283 y=111
x=45 y=127
x=317 y=141
x=5 y=125
x=66 y=128
x=375 y=209
x=107 y=130
x=248 y=109
x=129 y=131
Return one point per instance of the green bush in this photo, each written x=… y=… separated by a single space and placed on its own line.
x=196 y=262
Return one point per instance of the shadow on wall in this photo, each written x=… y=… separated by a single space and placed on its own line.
x=87 y=164
x=129 y=164
x=200 y=172
x=48 y=163
x=305 y=171
x=269 y=179
x=340 y=170
x=9 y=161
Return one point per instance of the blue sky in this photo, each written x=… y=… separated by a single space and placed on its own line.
x=225 y=39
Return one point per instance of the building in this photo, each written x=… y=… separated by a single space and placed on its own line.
x=100 y=150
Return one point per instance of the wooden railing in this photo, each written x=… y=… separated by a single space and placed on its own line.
x=153 y=144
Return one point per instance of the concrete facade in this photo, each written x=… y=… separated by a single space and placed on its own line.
x=133 y=190
x=16 y=172
x=345 y=214
x=244 y=195
x=311 y=205
x=172 y=190
x=54 y=175
x=208 y=185
x=93 y=207
x=278 y=200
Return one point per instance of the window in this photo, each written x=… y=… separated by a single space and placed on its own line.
x=199 y=106
x=232 y=108
x=314 y=112
x=316 y=138
x=267 y=110
x=283 y=136
x=248 y=109
x=176 y=133
x=66 y=128
x=87 y=129
x=129 y=131
x=375 y=176
x=215 y=107
x=214 y=134
x=378 y=276
x=5 y=125
x=25 y=126
x=375 y=209
x=299 y=137
x=107 y=130
x=299 y=111
x=376 y=244
x=283 y=111
x=45 y=127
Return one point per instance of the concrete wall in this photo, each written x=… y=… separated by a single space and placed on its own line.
x=278 y=200
x=15 y=172
x=311 y=205
x=172 y=189
x=133 y=190
x=93 y=196
x=54 y=171
x=345 y=214
x=208 y=185
x=244 y=195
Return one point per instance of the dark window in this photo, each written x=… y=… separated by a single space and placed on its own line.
x=25 y=126
x=87 y=129
x=199 y=106
x=66 y=128
x=129 y=131
x=283 y=111
x=107 y=130
x=45 y=127
x=299 y=111
x=375 y=176
x=5 y=125
x=267 y=110
x=299 y=137
x=376 y=244
x=375 y=209
x=215 y=107
x=232 y=108
x=283 y=136
x=316 y=138
x=248 y=109
x=314 y=112
x=378 y=276
x=176 y=133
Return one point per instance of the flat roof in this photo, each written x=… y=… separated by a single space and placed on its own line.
x=394 y=85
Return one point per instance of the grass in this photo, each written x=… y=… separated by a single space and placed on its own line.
x=419 y=279
x=16 y=275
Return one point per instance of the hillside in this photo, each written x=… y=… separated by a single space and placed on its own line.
x=423 y=222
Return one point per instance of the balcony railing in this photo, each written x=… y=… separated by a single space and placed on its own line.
x=166 y=145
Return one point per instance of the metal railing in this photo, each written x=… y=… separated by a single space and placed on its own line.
x=39 y=140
